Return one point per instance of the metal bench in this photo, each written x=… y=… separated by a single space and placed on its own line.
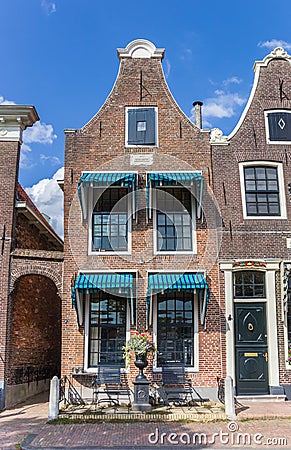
x=109 y=385
x=176 y=388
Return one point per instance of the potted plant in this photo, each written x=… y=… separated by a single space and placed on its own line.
x=141 y=345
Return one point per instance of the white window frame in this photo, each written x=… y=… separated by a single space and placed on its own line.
x=195 y=367
x=193 y=222
x=87 y=325
x=270 y=111
x=282 y=198
x=92 y=252
x=127 y=108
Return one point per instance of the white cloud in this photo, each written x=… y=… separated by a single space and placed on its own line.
x=6 y=102
x=40 y=132
x=48 y=7
x=186 y=54
x=273 y=43
x=48 y=197
x=25 y=160
x=54 y=160
x=224 y=105
x=234 y=80
x=167 y=68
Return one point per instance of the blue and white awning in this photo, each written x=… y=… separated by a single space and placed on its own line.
x=116 y=283
x=104 y=179
x=158 y=282
x=191 y=180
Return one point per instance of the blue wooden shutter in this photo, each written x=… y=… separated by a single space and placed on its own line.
x=141 y=126
x=279 y=126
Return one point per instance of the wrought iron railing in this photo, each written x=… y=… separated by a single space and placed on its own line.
x=68 y=393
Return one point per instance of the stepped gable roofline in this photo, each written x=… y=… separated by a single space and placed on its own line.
x=277 y=53
x=140 y=48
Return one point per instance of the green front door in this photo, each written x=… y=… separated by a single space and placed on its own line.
x=251 y=351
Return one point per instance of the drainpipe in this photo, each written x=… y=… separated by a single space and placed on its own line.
x=198 y=115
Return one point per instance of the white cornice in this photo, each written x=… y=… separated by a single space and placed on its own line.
x=14 y=119
x=140 y=48
x=277 y=53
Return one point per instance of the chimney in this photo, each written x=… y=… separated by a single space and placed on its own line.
x=198 y=115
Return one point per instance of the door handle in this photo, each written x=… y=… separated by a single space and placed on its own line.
x=266 y=356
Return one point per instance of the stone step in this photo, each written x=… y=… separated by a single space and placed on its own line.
x=260 y=398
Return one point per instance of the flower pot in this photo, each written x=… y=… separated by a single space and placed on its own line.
x=141 y=362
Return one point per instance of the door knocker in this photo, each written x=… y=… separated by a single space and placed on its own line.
x=250 y=326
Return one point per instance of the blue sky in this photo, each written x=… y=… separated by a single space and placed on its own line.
x=60 y=56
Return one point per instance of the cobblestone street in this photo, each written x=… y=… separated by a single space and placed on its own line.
x=259 y=425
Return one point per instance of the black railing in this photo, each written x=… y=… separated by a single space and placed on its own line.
x=68 y=393
x=30 y=374
x=220 y=389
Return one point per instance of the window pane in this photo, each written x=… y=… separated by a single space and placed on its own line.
x=249 y=283
x=175 y=334
x=262 y=191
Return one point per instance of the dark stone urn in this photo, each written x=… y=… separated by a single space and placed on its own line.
x=141 y=363
x=141 y=386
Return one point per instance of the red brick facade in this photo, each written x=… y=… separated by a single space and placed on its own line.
x=253 y=238
x=100 y=146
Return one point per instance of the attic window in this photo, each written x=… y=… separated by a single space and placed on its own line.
x=278 y=126
x=141 y=127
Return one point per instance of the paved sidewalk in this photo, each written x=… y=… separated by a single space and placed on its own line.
x=28 y=422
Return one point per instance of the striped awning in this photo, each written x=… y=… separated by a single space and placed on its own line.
x=176 y=281
x=104 y=179
x=187 y=179
x=116 y=283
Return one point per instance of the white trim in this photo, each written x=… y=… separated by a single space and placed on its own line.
x=195 y=367
x=284 y=317
x=271 y=320
x=140 y=48
x=270 y=111
x=87 y=325
x=127 y=108
x=193 y=223
x=92 y=252
x=279 y=167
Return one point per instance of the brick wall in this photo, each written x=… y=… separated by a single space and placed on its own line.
x=255 y=239
x=9 y=160
x=100 y=145
x=28 y=236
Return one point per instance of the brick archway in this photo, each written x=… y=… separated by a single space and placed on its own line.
x=48 y=265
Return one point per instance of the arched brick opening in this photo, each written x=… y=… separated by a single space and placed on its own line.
x=46 y=270
x=34 y=337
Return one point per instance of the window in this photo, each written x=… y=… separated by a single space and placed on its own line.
x=262 y=191
x=110 y=220
x=249 y=284
x=278 y=125
x=107 y=329
x=175 y=328
x=174 y=220
x=141 y=127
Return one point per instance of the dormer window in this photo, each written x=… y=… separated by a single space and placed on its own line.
x=141 y=127
x=278 y=126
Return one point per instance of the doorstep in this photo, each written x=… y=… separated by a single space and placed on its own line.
x=260 y=398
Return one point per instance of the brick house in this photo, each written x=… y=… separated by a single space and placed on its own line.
x=31 y=275
x=141 y=232
x=251 y=172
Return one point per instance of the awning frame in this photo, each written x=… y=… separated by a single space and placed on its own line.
x=78 y=296
x=203 y=294
x=85 y=184
x=195 y=181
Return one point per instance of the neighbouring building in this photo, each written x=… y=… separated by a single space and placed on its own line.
x=251 y=173
x=31 y=275
x=142 y=232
